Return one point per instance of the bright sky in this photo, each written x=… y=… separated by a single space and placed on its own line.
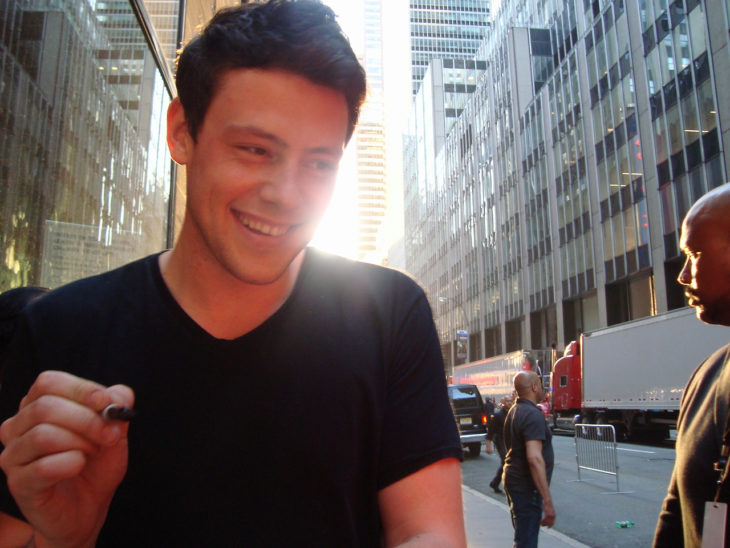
x=338 y=231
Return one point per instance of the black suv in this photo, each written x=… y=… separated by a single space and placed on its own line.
x=470 y=416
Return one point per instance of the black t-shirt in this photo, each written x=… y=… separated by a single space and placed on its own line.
x=700 y=428
x=525 y=422
x=281 y=437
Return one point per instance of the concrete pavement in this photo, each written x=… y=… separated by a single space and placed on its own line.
x=488 y=524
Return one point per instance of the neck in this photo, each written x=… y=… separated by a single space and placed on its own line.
x=221 y=304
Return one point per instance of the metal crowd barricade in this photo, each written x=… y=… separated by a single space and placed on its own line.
x=595 y=449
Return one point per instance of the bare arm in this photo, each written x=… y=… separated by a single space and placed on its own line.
x=425 y=508
x=539 y=476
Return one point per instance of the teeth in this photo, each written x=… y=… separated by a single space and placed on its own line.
x=263 y=228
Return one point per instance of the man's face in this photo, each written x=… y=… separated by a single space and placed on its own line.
x=261 y=171
x=706 y=271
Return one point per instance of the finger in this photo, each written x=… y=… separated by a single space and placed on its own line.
x=45 y=472
x=63 y=413
x=122 y=395
x=68 y=386
x=43 y=440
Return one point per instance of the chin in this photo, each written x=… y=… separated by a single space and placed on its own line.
x=264 y=271
x=717 y=317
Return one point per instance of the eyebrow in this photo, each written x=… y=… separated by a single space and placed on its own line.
x=278 y=141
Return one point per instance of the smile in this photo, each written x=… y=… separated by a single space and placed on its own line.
x=263 y=228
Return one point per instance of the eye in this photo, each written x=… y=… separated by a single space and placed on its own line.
x=322 y=165
x=253 y=150
x=692 y=256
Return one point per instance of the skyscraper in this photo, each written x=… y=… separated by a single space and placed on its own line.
x=553 y=205
x=370 y=139
x=445 y=29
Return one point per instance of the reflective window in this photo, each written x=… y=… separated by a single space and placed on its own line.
x=85 y=184
x=697 y=31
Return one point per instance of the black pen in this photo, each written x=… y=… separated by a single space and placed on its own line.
x=116 y=412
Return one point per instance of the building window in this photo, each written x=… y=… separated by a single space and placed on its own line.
x=88 y=181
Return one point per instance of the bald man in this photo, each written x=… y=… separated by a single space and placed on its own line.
x=528 y=465
x=703 y=414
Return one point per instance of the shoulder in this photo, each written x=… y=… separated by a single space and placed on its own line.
x=345 y=278
x=526 y=411
x=714 y=366
x=352 y=271
x=94 y=295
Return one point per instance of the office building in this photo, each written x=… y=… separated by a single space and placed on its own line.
x=553 y=205
x=445 y=29
x=370 y=157
x=86 y=183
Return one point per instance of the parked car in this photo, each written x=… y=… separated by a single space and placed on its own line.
x=471 y=418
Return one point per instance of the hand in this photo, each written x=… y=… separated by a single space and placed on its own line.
x=549 y=514
x=62 y=460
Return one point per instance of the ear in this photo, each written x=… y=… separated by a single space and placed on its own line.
x=179 y=141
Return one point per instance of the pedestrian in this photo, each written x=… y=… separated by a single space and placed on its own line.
x=704 y=416
x=488 y=405
x=528 y=465
x=495 y=436
x=241 y=342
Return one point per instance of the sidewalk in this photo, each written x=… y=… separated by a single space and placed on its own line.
x=488 y=524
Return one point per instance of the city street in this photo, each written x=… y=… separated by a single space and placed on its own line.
x=588 y=510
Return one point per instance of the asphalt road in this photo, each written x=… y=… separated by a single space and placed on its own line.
x=588 y=510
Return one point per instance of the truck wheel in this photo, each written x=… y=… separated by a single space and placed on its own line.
x=474 y=449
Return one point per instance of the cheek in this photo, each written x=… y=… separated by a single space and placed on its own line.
x=318 y=195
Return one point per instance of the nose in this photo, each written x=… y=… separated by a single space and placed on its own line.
x=281 y=186
x=685 y=276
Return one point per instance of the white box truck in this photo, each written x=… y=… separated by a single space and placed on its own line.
x=632 y=375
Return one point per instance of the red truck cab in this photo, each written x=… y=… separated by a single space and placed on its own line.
x=566 y=379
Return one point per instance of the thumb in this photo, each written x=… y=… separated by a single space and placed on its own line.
x=121 y=394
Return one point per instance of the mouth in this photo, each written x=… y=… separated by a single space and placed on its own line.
x=692 y=299
x=263 y=228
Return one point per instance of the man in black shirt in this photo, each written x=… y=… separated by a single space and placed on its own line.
x=705 y=240
x=240 y=342
x=528 y=465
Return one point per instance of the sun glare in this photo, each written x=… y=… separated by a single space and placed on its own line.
x=337 y=232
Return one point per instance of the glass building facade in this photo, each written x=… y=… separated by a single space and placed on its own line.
x=86 y=182
x=552 y=205
x=441 y=29
x=85 y=179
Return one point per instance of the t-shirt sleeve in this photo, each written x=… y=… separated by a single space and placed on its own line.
x=418 y=425
x=534 y=427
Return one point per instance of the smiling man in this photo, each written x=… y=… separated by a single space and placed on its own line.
x=282 y=396
x=686 y=517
